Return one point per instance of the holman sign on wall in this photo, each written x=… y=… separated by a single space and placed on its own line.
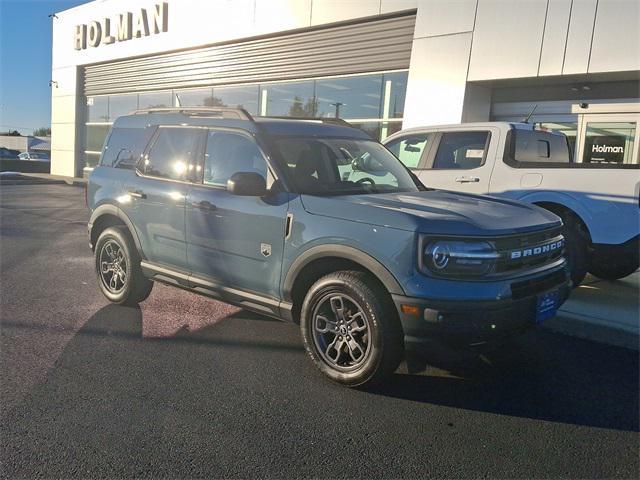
x=122 y=27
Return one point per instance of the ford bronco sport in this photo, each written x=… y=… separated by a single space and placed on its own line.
x=314 y=222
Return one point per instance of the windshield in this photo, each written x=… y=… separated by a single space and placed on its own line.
x=338 y=166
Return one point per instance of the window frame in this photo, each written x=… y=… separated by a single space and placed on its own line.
x=433 y=152
x=508 y=158
x=431 y=138
x=198 y=149
x=200 y=161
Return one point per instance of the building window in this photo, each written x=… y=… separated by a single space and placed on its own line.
x=202 y=97
x=94 y=137
x=122 y=105
x=395 y=91
x=292 y=99
x=609 y=142
x=237 y=97
x=155 y=100
x=98 y=109
x=352 y=97
x=371 y=102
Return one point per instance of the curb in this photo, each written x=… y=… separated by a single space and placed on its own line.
x=42 y=179
x=576 y=325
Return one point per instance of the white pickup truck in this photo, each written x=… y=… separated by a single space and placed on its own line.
x=598 y=202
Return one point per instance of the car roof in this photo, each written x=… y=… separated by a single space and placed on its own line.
x=458 y=126
x=268 y=125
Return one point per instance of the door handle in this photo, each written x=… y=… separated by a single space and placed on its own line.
x=204 y=205
x=138 y=194
x=467 y=179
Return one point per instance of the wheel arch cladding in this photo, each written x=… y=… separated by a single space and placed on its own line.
x=106 y=216
x=324 y=259
x=560 y=209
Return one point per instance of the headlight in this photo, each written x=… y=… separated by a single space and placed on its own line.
x=453 y=258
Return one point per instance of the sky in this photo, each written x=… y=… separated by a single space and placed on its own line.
x=25 y=62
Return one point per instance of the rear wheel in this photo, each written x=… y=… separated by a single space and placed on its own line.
x=118 y=268
x=351 y=330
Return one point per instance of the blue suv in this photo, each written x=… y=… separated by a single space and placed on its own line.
x=314 y=222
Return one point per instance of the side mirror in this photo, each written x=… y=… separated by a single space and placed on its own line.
x=248 y=184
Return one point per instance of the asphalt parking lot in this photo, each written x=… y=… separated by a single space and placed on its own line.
x=188 y=387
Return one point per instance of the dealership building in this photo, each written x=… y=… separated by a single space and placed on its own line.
x=382 y=65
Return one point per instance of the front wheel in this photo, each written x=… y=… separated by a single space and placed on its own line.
x=118 y=267
x=351 y=330
x=576 y=244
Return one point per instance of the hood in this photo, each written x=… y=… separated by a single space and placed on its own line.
x=435 y=212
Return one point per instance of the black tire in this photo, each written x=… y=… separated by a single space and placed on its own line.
x=364 y=305
x=576 y=245
x=129 y=288
x=608 y=269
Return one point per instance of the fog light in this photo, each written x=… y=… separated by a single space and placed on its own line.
x=432 y=316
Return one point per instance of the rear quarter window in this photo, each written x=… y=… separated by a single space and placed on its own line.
x=540 y=147
x=125 y=146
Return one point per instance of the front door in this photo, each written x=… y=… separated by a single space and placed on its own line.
x=461 y=160
x=234 y=240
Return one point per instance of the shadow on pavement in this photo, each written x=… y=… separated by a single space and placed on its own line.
x=542 y=375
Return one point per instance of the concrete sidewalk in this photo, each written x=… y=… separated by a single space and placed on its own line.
x=21 y=178
x=603 y=311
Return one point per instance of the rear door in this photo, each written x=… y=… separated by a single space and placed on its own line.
x=235 y=241
x=461 y=160
x=156 y=195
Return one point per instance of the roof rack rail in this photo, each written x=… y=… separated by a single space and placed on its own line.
x=333 y=121
x=218 y=112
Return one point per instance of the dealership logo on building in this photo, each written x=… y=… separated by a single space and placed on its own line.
x=123 y=27
x=606 y=149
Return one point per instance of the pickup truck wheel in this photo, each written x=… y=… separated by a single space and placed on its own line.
x=118 y=267
x=607 y=269
x=576 y=243
x=351 y=330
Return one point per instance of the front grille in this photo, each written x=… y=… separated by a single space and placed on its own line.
x=529 y=288
x=528 y=251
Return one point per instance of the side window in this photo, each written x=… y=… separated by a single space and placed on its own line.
x=125 y=146
x=461 y=150
x=172 y=153
x=228 y=153
x=409 y=149
x=533 y=146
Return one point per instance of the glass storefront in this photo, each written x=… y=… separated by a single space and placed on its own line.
x=609 y=142
x=373 y=103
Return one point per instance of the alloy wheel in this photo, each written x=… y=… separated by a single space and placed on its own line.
x=113 y=266
x=341 y=332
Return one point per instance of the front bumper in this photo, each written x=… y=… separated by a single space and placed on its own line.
x=476 y=323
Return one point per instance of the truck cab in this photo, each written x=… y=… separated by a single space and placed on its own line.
x=597 y=200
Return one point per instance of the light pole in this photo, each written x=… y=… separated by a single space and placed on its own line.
x=337 y=105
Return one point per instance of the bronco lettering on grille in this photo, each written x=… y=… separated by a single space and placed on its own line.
x=534 y=251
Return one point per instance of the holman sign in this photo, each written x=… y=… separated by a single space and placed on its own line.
x=122 y=27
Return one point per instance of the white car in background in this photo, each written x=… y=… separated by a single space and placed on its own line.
x=39 y=156
x=598 y=201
